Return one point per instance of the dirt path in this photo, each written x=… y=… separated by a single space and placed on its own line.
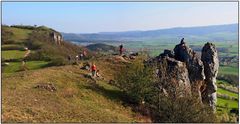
x=27 y=53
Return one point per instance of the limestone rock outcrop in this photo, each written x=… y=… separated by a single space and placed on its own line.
x=171 y=70
x=211 y=64
x=183 y=72
x=56 y=38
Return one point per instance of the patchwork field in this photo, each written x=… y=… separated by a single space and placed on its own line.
x=13 y=54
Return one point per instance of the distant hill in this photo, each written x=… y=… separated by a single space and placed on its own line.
x=227 y=32
x=45 y=44
x=101 y=47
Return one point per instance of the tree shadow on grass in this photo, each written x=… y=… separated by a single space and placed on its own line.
x=118 y=96
x=112 y=94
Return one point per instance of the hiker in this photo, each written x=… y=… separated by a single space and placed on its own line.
x=84 y=53
x=121 y=49
x=81 y=56
x=77 y=58
x=94 y=69
x=69 y=58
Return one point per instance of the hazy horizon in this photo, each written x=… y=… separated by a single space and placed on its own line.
x=95 y=17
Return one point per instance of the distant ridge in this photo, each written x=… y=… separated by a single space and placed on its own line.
x=227 y=32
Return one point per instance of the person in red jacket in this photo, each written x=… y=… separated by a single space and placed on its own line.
x=94 y=69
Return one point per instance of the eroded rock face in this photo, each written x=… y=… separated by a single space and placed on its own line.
x=173 y=77
x=56 y=37
x=184 y=73
x=211 y=64
x=193 y=64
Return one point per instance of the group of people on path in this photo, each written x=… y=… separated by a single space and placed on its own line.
x=95 y=72
x=81 y=56
x=93 y=68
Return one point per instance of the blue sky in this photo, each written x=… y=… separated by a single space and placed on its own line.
x=91 y=17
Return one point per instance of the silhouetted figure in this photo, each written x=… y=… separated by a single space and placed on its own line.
x=69 y=58
x=121 y=49
x=182 y=41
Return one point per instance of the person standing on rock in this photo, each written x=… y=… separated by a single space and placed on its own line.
x=121 y=49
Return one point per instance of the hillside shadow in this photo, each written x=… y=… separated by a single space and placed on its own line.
x=112 y=94
x=121 y=97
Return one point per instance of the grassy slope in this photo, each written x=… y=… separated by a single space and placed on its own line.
x=15 y=66
x=77 y=99
x=19 y=35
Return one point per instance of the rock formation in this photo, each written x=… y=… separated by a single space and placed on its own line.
x=183 y=72
x=56 y=38
x=194 y=66
x=211 y=64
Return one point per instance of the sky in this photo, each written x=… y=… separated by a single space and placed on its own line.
x=93 y=17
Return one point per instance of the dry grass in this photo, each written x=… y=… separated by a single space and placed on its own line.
x=77 y=99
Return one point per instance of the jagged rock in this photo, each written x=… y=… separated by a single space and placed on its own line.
x=132 y=57
x=211 y=64
x=134 y=54
x=173 y=77
x=184 y=73
x=47 y=86
x=56 y=38
x=194 y=66
x=168 y=53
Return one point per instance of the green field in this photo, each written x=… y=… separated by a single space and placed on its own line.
x=229 y=103
x=228 y=70
x=13 y=54
x=222 y=91
x=12 y=47
x=15 y=66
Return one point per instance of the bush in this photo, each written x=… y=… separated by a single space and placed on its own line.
x=57 y=62
x=181 y=110
x=38 y=55
x=232 y=79
x=136 y=80
x=24 y=27
x=33 y=45
x=225 y=117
